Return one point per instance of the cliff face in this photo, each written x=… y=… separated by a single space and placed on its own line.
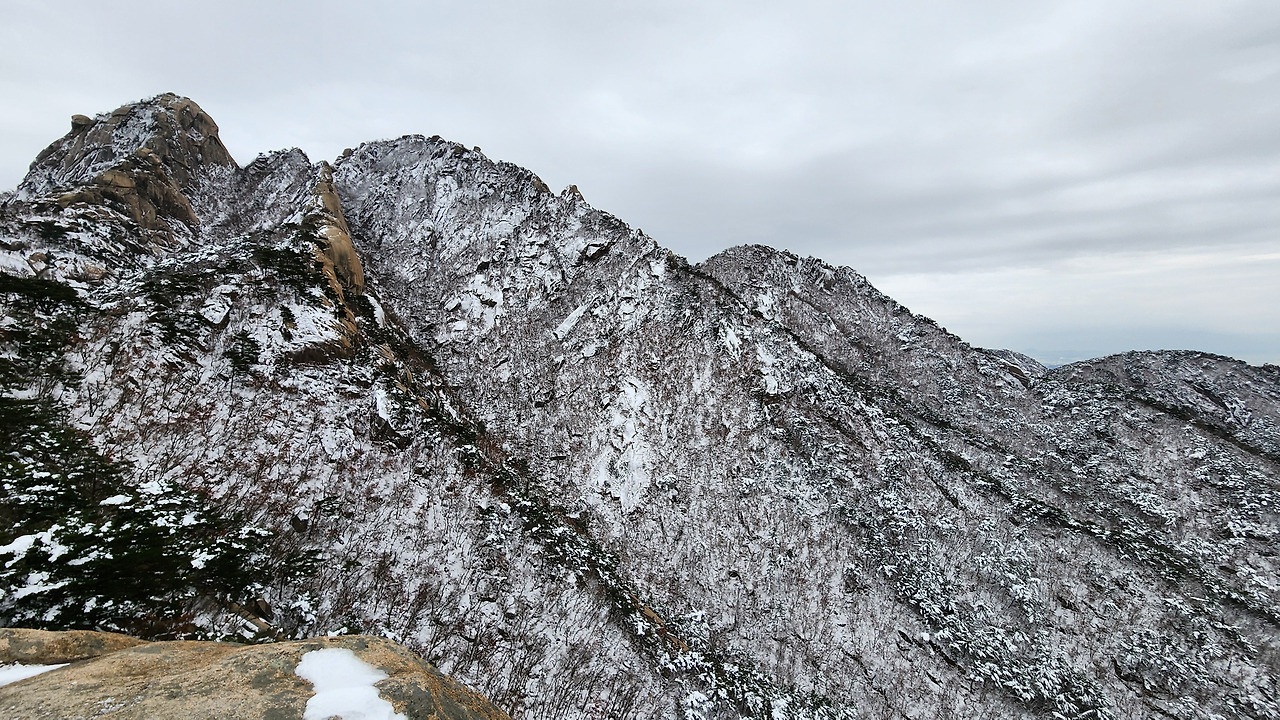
x=591 y=480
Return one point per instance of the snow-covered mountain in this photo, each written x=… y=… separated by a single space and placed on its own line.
x=416 y=393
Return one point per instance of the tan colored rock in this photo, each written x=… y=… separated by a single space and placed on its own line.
x=146 y=154
x=185 y=138
x=42 y=647
x=117 y=179
x=335 y=236
x=198 y=680
x=109 y=160
x=71 y=198
x=142 y=185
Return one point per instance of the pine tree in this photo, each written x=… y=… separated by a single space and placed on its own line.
x=85 y=543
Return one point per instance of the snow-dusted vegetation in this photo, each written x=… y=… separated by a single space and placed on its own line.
x=589 y=479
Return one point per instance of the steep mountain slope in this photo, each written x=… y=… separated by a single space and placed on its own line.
x=418 y=394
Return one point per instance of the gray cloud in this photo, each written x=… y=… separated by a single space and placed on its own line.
x=930 y=145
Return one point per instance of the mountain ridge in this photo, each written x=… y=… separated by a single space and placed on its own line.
x=753 y=487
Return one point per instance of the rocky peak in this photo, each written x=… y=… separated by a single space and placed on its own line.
x=143 y=160
x=172 y=129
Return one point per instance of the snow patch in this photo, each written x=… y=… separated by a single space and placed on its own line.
x=218 y=306
x=564 y=328
x=19 y=547
x=17 y=671
x=383 y=403
x=379 y=314
x=622 y=467
x=731 y=340
x=482 y=303
x=344 y=687
x=767 y=361
x=767 y=305
x=15 y=264
x=338 y=442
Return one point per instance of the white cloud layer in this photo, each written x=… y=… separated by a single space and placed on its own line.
x=956 y=153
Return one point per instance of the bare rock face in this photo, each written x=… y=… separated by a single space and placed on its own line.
x=175 y=129
x=42 y=647
x=142 y=188
x=142 y=158
x=338 y=253
x=213 y=680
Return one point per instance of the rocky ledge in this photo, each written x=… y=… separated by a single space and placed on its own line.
x=116 y=676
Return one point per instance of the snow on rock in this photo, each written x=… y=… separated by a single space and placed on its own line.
x=344 y=687
x=566 y=326
x=622 y=467
x=342 y=678
x=14 y=672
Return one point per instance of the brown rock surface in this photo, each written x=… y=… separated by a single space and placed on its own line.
x=180 y=134
x=142 y=157
x=142 y=190
x=42 y=647
x=224 y=680
x=339 y=251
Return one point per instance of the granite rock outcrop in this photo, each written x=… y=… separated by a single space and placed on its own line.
x=114 y=676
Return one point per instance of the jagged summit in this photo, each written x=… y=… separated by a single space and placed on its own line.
x=417 y=394
x=172 y=129
x=142 y=160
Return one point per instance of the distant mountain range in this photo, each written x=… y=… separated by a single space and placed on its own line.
x=416 y=393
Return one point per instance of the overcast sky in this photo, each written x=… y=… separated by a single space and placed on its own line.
x=1067 y=179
